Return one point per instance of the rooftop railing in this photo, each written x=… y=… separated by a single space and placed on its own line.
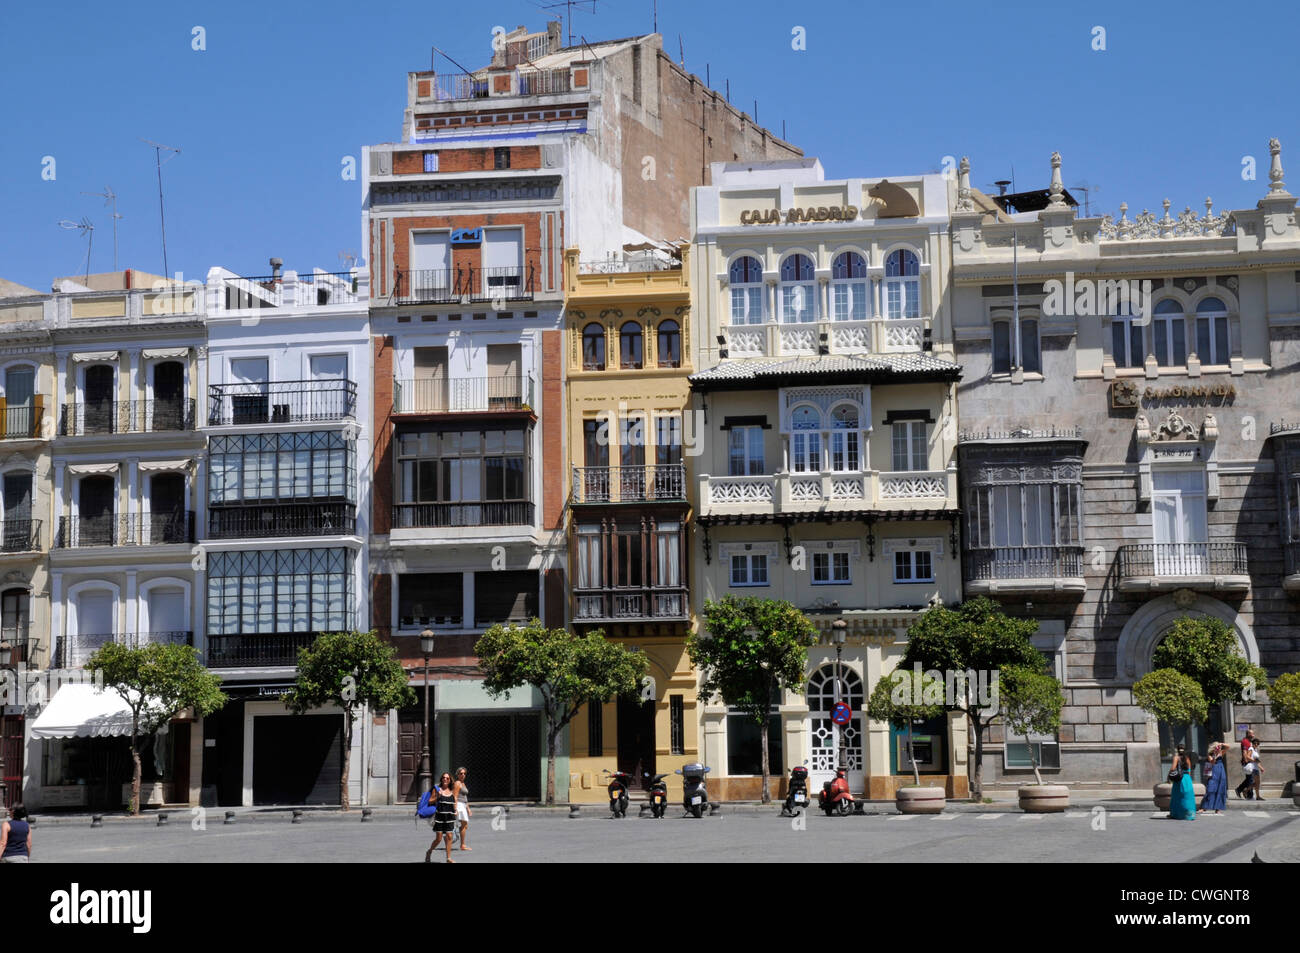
x=281 y=402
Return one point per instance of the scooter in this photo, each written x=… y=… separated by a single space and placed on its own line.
x=658 y=794
x=835 y=797
x=796 y=799
x=694 y=797
x=618 y=786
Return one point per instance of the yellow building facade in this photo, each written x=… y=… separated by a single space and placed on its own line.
x=630 y=438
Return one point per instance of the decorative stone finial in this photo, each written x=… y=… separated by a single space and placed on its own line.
x=1123 y=211
x=1056 y=189
x=964 y=203
x=1166 y=203
x=1275 y=166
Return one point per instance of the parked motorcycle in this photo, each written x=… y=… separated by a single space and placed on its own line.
x=796 y=798
x=619 y=783
x=658 y=794
x=694 y=796
x=835 y=797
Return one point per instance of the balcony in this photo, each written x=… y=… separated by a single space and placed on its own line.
x=17 y=638
x=451 y=515
x=281 y=402
x=135 y=529
x=20 y=536
x=289 y=290
x=75 y=650
x=827 y=493
x=1024 y=569
x=1158 y=567
x=282 y=519
x=23 y=421
x=126 y=416
x=271 y=648
x=669 y=604
x=659 y=483
x=454 y=87
x=463 y=395
x=790 y=339
x=464 y=284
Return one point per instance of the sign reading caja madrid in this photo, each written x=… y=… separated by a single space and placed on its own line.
x=791 y=216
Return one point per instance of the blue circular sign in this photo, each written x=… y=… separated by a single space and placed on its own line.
x=841 y=714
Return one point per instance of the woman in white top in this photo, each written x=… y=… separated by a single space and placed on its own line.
x=463 y=813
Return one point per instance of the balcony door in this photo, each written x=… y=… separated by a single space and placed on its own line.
x=328 y=394
x=503 y=255
x=95 y=624
x=1180 y=522
x=99 y=386
x=250 y=398
x=595 y=458
x=168 y=411
x=430 y=266
x=166 y=608
x=95 y=498
x=167 y=508
x=631 y=441
x=17 y=525
x=15 y=613
x=20 y=402
x=429 y=388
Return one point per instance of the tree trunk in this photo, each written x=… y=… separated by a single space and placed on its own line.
x=347 y=759
x=977 y=762
x=911 y=754
x=767 y=796
x=136 y=770
x=550 y=765
x=1032 y=760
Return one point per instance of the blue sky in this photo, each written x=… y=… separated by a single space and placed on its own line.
x=283 y=92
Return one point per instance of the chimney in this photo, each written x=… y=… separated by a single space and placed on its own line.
x=276 y=265
x=553 y=36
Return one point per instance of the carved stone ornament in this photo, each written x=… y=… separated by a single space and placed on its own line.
x=1184 y=598
x=1175 y=428
x=1124 y=394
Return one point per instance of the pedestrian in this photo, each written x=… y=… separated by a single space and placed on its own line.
x=463 y=813
x=444 y=819
x=1258 y=774
x=1247 y=768
x=16 y=837
x=1182 y=797
x=1216 y=782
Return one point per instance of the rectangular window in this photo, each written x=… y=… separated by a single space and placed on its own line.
x=913 y=566
x=744 y=744
x=1126 y=341
x=259 y=468
x=430 y=598
x=1046 y=752
x=1168 y=336
x=1001 y=347
x=911 y=451
x=745 y=451
x=668 y=440
x=595 y=730
x=469 y=466
x=289 y=590
x=676 y=724
x=505 y=596
x=749 y=569
x=501 y=157
x=831 y=568
x=1031 y=361
x=1212 y=339
x=431 y=162
x=747 y=304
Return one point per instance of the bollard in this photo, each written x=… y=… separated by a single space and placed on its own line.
x=714 y=808
x=642 y=809
x=297 y=817
x=162 y=818
x=230 y=817
x=859 y=808
x=573 y=810
x=97 y=820
x=365 y=814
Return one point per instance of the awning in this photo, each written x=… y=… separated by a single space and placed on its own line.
x=79 y=711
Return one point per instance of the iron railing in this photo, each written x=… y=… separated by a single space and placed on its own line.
x=20 y=536
x=458 y=395
x=1182 y=559
x=448 y=87
x=444 y=515
x=1024 y=562
x=282 y=519
x=291 y=289
x=269 y=648
x=281 y=402
x=464 y=283
x=76 y=649
x=126 y=416
x=649 y=483
x=16 y=637
x=119 y=529
x=646 y=603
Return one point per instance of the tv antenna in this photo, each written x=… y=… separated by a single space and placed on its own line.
x=158 y=148
x=88 y=231
x=568 y=13
x=349 y=258
x=1087 y=191
x=110 y=198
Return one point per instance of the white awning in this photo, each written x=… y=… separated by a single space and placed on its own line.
x=79 y=711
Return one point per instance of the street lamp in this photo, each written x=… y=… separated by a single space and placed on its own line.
x=6 y=659
x=426 y=778
x=839 y=632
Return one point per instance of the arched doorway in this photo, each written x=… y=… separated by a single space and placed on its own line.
x=824 y=736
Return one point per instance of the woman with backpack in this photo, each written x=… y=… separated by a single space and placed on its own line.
x=444 y=820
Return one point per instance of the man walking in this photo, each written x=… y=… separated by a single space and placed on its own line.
x=1248 y=765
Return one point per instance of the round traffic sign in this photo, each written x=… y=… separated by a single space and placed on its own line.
x=841 y=714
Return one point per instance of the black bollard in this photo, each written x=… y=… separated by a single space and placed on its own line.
x=297 y=817
x=162 y=818
x=365 y=814
x=97 y=820
x=230 y=817
x=573 y=810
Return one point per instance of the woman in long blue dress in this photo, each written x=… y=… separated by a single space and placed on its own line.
x=1216 y=785
x=1182 y=797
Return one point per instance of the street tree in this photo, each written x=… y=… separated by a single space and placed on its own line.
x=903 y=697
x=973 y=641
x=1031 y=704
x=1206 y=650
x=747 y=651
x=157 y=681
x=567 y=669
x=353 y=670
x=1172 y=697
x=1284 y=699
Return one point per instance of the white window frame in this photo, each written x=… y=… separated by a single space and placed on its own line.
x=749 y=562
x=745 y=294
x=752 y=433
x=913 y=562
x=1169 y=320
x=856 y=292
x=807 y=288
x=910 y=426
x=1212 y=319
x=1129 y=325
x=848 y=550
x=902 y=292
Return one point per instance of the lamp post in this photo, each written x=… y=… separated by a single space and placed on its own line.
x=426 y=649
x=839 y=631
x=6 y=659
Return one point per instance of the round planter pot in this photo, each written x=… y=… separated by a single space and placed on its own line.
x=1043 y=798
x=1162 y=794
x=918 y=800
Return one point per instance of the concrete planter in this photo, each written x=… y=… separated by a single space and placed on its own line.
x=920 y=800
x=1043 y=798
x=1162 y=794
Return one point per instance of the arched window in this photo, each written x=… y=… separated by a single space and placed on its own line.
x=593 y=347
x=1212 y=332
x=1169 y=334
x=629 y=346
x=1126 y=340
x=746 y=280
x=849 y=287
x=902 y=285
x=20 y=417
x=845 y=439
x=670 y=344
x=798 y=292
x=805 y=440
x=18 y=530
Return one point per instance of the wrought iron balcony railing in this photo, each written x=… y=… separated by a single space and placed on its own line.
x=282 y=519
x=462 y=395
x=1139 y=560
x=631 y=605
x=261 y=648
x=281 y=402
x=662 y=482
x=445 y=515
x=20 y=536
x=16 y=638
x=21 y=421
x=464 y=284
x=76 y=649
x=134 y=529
x=126 y=416
x=1024 y=562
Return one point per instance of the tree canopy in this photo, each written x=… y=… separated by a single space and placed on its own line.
x=1031 y=705
x=1206 y=650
